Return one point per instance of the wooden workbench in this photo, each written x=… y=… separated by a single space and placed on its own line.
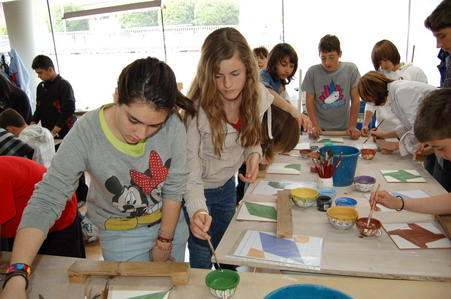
x=51 y=281
x=344 y=252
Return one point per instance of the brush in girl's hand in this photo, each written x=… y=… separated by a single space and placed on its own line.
x=374 y=130
x=373 y=204
x=214 y=254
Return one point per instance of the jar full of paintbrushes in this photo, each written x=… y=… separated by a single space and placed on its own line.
x=326 y=166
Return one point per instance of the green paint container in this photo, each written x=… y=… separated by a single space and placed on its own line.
x=222 y=281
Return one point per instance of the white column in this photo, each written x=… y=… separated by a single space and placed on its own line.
x=19 y=23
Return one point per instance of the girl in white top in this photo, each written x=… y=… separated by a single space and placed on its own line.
x=404 y=98
x=386 y=60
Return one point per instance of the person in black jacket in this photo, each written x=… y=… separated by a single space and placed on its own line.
x=55 y=101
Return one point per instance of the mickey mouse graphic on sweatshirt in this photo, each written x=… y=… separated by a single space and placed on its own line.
x=141 y=200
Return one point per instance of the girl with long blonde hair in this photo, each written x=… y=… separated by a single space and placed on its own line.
x=226 y=132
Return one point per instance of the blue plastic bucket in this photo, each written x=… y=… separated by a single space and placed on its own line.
x=344 y=175
x=306 y=291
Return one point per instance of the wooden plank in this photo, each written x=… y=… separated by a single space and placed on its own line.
x=445 y=221
x=384 y=151
x=179 y=272
x=284 y=215
x=334 y=133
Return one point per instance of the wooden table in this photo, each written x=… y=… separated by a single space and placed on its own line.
x=50 y=280
x=344 y=252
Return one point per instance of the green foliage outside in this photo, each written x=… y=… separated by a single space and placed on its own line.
x=179 y=12
x=216 y=12
x=59 y=24
x=139 y=19
x=3 y=30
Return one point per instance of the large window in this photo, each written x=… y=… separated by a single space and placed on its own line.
x=92 y=51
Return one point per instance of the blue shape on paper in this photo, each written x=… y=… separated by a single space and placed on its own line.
x=281 y=247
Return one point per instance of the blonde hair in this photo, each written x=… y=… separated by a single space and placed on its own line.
x=220 y=45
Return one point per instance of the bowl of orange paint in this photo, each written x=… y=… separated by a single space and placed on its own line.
x=373 y=228
x=368 y=153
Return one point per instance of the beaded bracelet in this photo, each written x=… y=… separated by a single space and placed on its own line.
x=164 y=240
x=402 y=207
x=17 y=273
x=19 y=267
x=163 y=248
x=165 y=235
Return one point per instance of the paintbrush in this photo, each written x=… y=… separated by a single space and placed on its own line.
x=374 y=130
x=373 y=205
x=214 y=254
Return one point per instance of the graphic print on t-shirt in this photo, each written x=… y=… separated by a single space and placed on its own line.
x=332 y=96
x=141 y=201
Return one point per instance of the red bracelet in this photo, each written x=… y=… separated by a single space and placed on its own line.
x=162 y=248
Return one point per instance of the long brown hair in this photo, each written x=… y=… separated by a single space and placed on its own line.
x=285 y=132
x=220 y=45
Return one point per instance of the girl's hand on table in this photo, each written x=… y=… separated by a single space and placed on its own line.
x=315 y=133
x=251 y=169
x=365 y=131
x=160 y=255
x=303 y=121
x=353 y=132
x=14 y=289
x=200 y=224
x=389 y=145
x=379 y=133
x=387 y=200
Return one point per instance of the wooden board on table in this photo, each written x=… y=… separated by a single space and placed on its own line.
x=445 y=221
x=334 y=133
x=384 y=151
x=284 y=215
x=179 y=272
x=262 y=168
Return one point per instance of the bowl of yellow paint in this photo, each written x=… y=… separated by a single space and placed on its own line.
x=342 y=217
x=222 y=283
x=304 y=197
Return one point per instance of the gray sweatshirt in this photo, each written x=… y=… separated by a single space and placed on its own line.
x=128 y=182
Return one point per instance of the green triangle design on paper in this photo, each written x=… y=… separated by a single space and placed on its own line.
x=278 y=185
x=324 y=140
x=261 y=210
x=294 y=166
x=402 y=175
x=159 y=295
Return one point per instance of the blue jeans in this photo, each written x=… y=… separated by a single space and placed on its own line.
x=135 y=245
x=221 y=203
